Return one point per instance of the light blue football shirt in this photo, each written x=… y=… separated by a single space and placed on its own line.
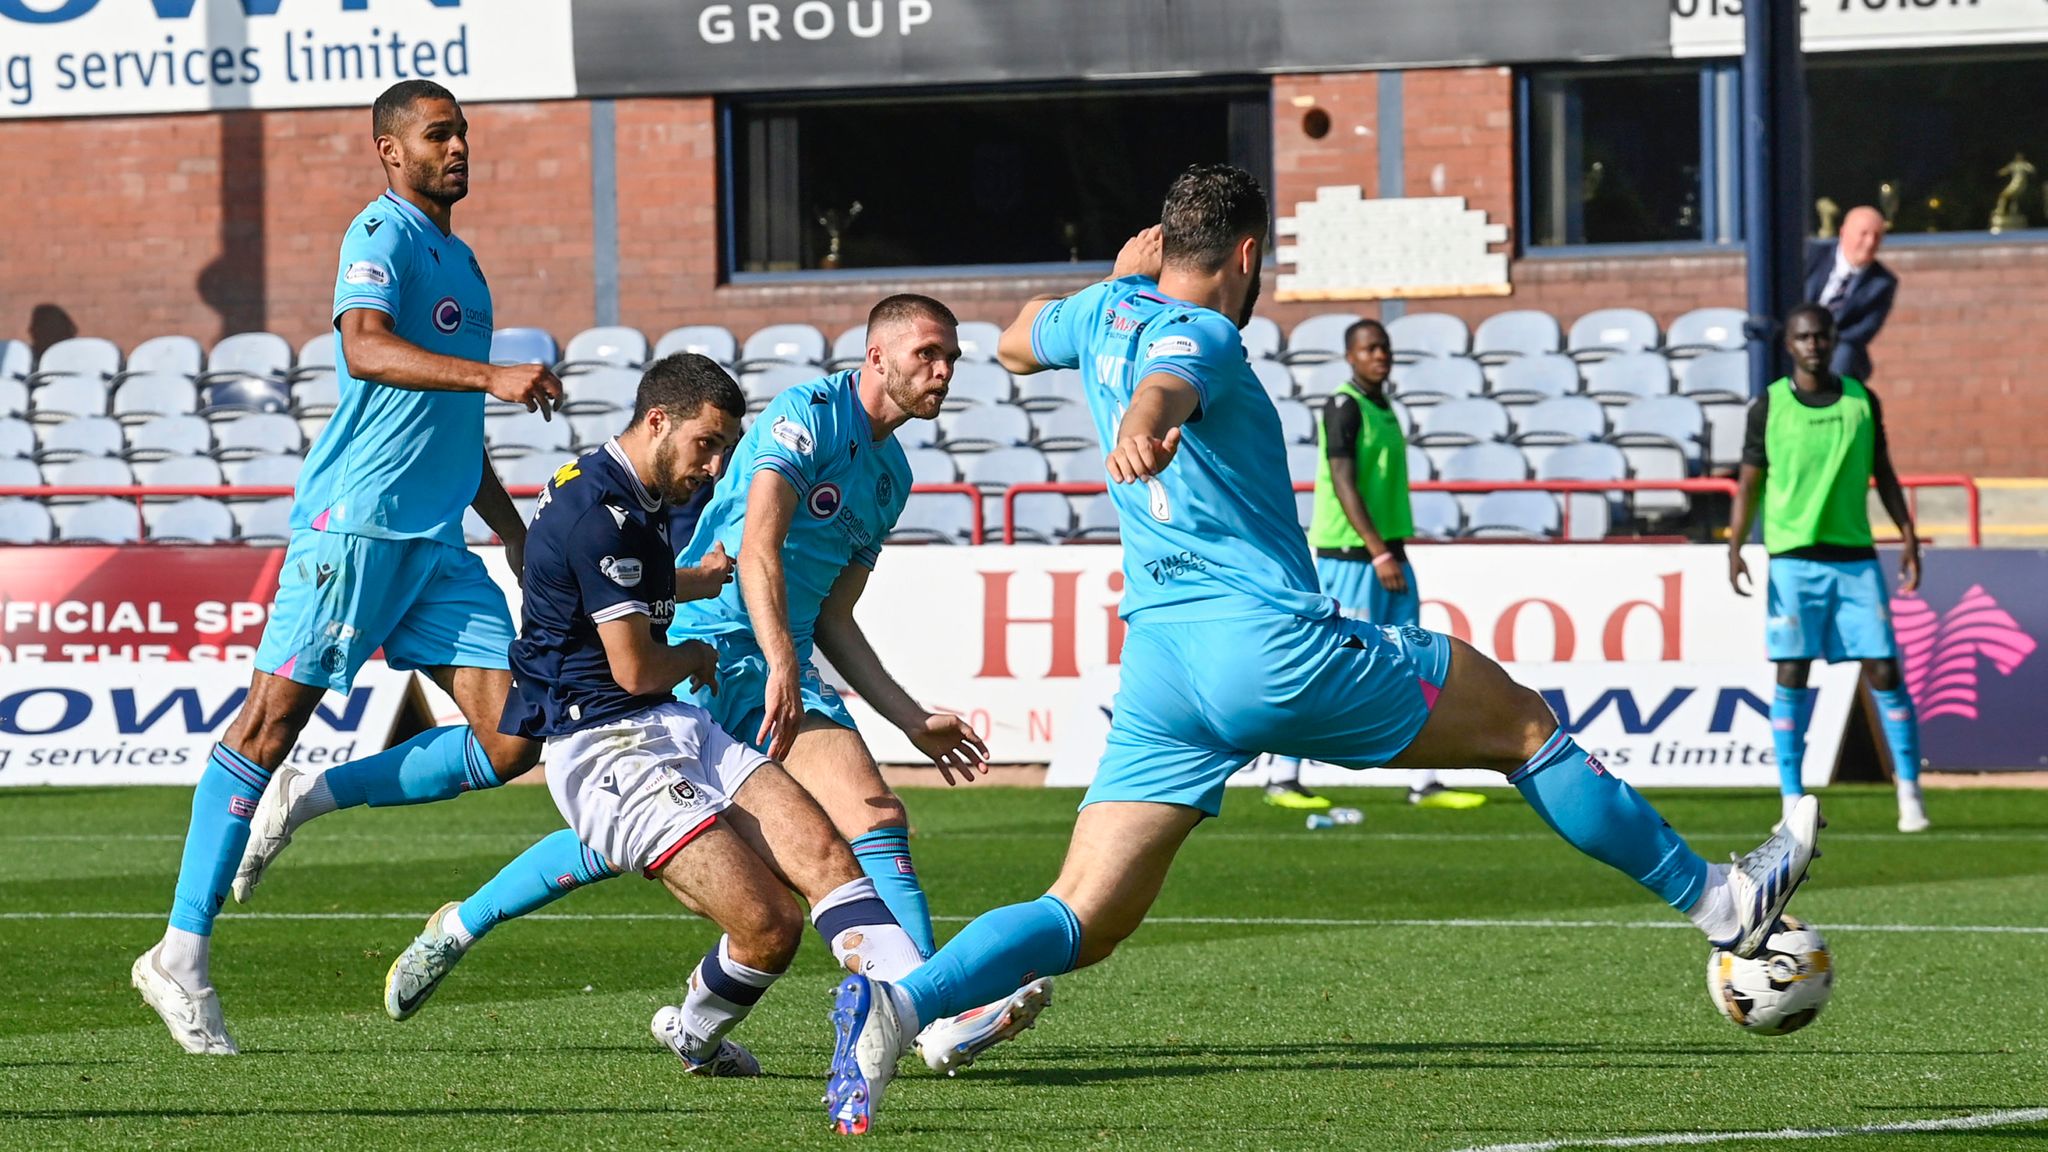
x=1217 y=532
x=850 y=490
x=395 y=463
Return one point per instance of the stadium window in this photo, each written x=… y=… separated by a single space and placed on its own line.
x=1032 y=178
x=1923 y=137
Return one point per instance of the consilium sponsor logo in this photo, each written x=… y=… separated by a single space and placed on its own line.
x=823 y=501
x=1941 y=653
x=447 y=315
x=758 y=22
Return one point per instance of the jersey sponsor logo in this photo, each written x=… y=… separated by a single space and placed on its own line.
x=447 y=315
x=1172 y=346
x=367 y=272
x=565 y=473
x=791 y=435
x=1178 y=564
x=621 y=570
x=824 y=500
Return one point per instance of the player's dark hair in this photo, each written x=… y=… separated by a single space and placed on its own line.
x=1209 y=209
x=1366 y=325
x=389 y=114
x=682 y=384
x=1817 y=311
x=909 y=306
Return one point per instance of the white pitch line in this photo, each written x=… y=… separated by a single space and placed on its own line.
x=1363 y=833
x=1688 y=1139
x=1184 y=921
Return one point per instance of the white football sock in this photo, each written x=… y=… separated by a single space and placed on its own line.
x=1790 y=802
x=1422 y=779
x=183 y=957
x=874 y=945
x=452 y=925
x=1714 y=912
x=707 y=1016
x=1283 y=770
x=311 y=797
x=906 y=1010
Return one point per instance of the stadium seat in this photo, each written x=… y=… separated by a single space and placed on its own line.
x=249 y=356
x=1464 y=421
x=714 y=341
x=600 y=390
x=850 y=349
x=522 y=432
x=1436 y=515
x=606 y=347
x=1592 y=514
x=769 y=381
x=176 y=355
x=1484 y=461
x=784 y=344
x=13 y=397
x=922 y=434
x=1040 y=518
x=934 y=518
x=17 y=360
x=1437 y=379
x=1723 y=375
x=139 y=397
x=1420 y=334
x=1628 y=377
x=264 y=471
x=24 y=522
x=523 y=346
x=17 y=472
x=266 y=522
x=1274 y=378
x=1084 y=466
x=1611 y=332
x=1070 y=426
x=1297 y=424
x=255 y=435
x=1322 y=380
x=85 y=436
x=196 y=520
x=1555 y=423
x=316 y=395
x=179 y=472
x=1523 y=332
x=1704 y=330
x=1518 y=515
x=1304 y=509
x=999 y=468
x=1661 y=437
x=979 y=340
x=1318 y=338
x=978 y=382
x=1262 y=340
x=590 y=430
x=1050 y=389
x=104 y=521
x=1302 y=461
x=87 y=472
x=931 y=466
x=316 y=356
x=85 y=356
x=985 y=427
x=1530 y=379
x=66 y=397
x=18 y=438
x=1098 y=522
x=231 y=399
x=1420 y=466
x=525 y=471
x=1676 y=418
x=164 y=436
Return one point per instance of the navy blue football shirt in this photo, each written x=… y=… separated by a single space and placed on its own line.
x=597 y=550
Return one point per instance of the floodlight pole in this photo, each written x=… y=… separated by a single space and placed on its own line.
x=1773 y=177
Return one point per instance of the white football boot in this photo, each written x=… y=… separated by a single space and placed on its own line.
x=951 y=1044
x=729 y=1060
x=421 y=967
x=1762 y=883
x=1912 y=810
x=870 y=1043
x=269 y=831
x=193 y=1017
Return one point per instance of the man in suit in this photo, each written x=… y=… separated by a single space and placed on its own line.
x=1847 y=279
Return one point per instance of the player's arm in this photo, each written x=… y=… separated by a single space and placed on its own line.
x=1150 y=433
x=610 y=594
x=1893 y=497
x=771 y=506
x=494 y=506
x=706 y=578
x=378 y=355
x=1025 y=349
x=945 y=737
x=1749 y=488
x=645 y=666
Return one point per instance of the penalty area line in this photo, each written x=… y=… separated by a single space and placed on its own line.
x=1692 y=1139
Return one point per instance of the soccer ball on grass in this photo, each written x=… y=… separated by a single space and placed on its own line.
x=1782 y=988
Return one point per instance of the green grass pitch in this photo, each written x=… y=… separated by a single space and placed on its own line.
x=1349 y=988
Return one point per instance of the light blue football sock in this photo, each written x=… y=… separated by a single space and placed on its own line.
x=226 y=798
x=995 y=955
x=1901 y=725
x=884 y=855
x=1600 y=815
x=1791 y=712
x=555 y=866
x=438 y=764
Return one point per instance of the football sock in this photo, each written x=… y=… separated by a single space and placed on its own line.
x=437 y=764
x=863 y=933
x=992 y=957
x=1714 y=912
x=1600 y=815
x=1901 y=732
x=553 y=867
x=1283 y=770
x=1423 y=780
x=226 y=798
x=1791 y=712
x=722 y=992
x=183 y=957
x=884 y=855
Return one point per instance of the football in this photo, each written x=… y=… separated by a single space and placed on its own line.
x=1782 y=988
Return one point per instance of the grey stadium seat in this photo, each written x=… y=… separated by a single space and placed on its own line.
x=87 y=472
x=1320 y=380
x=1437 y=379
x=13 y=397
x=1297 y=423
x=1557 y=422
x=713 y=341
x=1070 y=427
x=1051 y=388
x=522 y=431
x=66 y=397
x=1302 y=461
x=1528 y=379
x=1042 y=515
x=24 y=522
x=1487 y=461
x=1039 y=518
x=88 y=356
x=1420 y=466
x=1318 y=338
x=1436 y=515
x=600 y=390
x=979 y=340
x=18 y=438
x=931 y=466
x=256 y=435
x=1085 y=466
x=249 y=356
x=316 y=395
x=978 y=382
x=1611 y=332
x=850 y=348
x=169 y=436
x=784 y=344
x=17 y=360
x=1522 y=332
x=999 y=468
x=17 y=472
x=85 y=436
x=523 y=346
x=1098 y=522
x=139 y=397
x=1661 y=439
x=103 y=521
x=1465 y=421
x=197 y=520
x=1304 y=509
x=1592 y=514
x=264 y=471
x=179 y=472
x=611 y=346
x=1717 y=374
x=1629 y=376
x=1262 y=340
x=316 y=356
x=1707 y=330
x=264 y=521
x=771 y=380
x=984 y=427
x=1519 y=514
x=525 y=471
x=934 y=518
x=177 y=355
x=1676 y=418
x=1274 y=377
x=1419 y=334
x=591 y=429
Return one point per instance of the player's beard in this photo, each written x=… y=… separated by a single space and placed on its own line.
x=1251 y=295
x=432 y=181
x=920 y=405
x=669 y=484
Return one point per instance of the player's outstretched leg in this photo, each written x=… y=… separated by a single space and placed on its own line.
x=834 y=765
x=1482 y=718
x=553 y=867
x=1901 y=724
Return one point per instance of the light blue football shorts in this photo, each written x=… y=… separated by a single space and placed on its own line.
x=1828 y=610
x=1356 y=585
x=743 y=687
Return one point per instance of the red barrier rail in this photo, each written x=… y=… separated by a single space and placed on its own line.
x=1974 y=500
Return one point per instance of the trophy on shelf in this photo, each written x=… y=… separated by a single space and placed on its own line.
x=2006 y=214
x=835 y=222
x=1888 y=202
x=1829 y=212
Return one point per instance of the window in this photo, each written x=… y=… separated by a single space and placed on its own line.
x=1015 y=178
x=1622 y=156
x=1924 y=139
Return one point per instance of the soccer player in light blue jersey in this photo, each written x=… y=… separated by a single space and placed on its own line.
x=377 y=558
x=1231 y=650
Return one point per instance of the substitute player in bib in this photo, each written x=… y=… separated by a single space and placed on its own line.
x=377 y=558
x=649 y=782
x=1231 y=650
x=1815 y=443
x=1359 y=531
